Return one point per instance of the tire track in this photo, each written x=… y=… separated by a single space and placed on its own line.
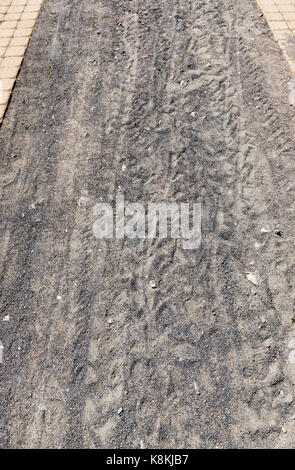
x=167 y=93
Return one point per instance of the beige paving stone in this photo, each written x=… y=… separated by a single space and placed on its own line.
x=19 y=2
x=32 y=7
x=4 y=97
x=7 y=84
x=4 y=42
x=17 y=21
x=289 y=15
x=277 y=25
x=266 y=3
x=31 y=15
x=289 y=7
x=273 y=9
x=2 y=111
x=11 y=61
x=12 y=16
x=23 y=32
x=15 y=51
x=8 y=72
x=8 y=24
x=6 y=33
x=15 y=9
x=19 y=41
x=283 y=34
x=26 y=24
x=267 y=6
x=283 y=30
x=291 y=63
x=274 y=16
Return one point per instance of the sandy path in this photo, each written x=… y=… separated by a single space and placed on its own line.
x=202 y=360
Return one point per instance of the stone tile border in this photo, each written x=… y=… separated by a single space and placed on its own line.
x=17 y=20
x=280 y=15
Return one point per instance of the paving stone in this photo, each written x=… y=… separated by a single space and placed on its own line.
x=15 y=51
x=4 y=42
x=283 y=34
x=274 y=16
x=15 y=9
x=267 y=6
x=19 y=41
x=18 y=2
x=17 y=21
x=277 y=25
x=31 y=15
x=8 y=24
x=2 y=111
x=26 y=23
x=13 y=16
x=6 y=33
x=7 y=84
x=11 y=61
x=280 y=15
x=287 y=8
x=289 y=15
x=32 y=7
x=8 y=72
x=22 y=32
x=4 y=97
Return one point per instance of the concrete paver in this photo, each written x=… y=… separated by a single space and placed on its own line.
x=280 y=15
x=17 y=20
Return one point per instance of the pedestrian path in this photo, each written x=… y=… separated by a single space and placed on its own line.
x=17 y=20
x=280 y=15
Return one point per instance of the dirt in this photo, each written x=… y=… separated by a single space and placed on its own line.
x=93 y=356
